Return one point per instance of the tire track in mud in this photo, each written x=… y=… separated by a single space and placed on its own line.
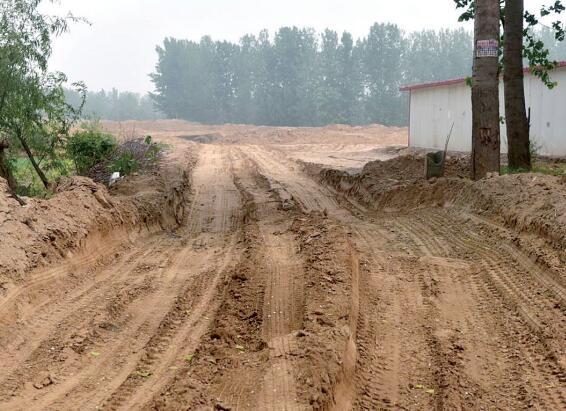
x=397 y=346
x=166 y=328
x=176 y=337
x=522 y=281
x=152 y=332
x=216 y=202
x=310 y=195
x=451 y=315
x=282 y=315
x=440 y=247
x=437 y=221
x=57 y=325
x=248 y=358
x=90 y=257
x=312 y=198
x=134 y=318
x=509 y=288
x=232 y=342
x=468 y=366
x=280 y=270
x=46 y=298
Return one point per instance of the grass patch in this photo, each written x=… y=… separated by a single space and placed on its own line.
x=553 y=169
x=29 y=184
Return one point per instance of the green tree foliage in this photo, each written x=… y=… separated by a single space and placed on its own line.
x=89 y=146
x=535 y=50
x=382 y=54
x=329 y=96
x=440 y=54
x=299 y=77
x=539 y=41
x=556 y=48
x=34 y=115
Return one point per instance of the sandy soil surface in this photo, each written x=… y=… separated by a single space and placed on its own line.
x=283 y=285
x=338 y=146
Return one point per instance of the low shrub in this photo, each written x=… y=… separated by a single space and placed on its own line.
x=125 y=164
x=132 y=155
x=90 y=146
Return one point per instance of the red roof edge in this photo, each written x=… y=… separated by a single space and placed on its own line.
x=455 y=81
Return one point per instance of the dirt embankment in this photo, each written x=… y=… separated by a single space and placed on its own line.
x=278 y=293
x=46 y=230
x=528 y=203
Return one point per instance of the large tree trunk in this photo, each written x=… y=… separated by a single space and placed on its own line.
x=485 y=90
x=519 y=155
x=5 y=171
x=36 y=167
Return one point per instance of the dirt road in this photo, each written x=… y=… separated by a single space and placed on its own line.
x=278 y=293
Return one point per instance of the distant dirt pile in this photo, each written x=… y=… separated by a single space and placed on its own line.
x=249 y=134
x=48 y=229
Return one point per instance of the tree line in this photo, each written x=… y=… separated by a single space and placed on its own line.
x=114 y=105
x=423 y=60
x=299 y=77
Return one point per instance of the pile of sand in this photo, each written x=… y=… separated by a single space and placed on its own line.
x=46 y=230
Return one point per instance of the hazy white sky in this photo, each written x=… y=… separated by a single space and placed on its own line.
x=118 y=49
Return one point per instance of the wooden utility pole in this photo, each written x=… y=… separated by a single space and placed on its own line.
x=519 y=153
x=485 y=90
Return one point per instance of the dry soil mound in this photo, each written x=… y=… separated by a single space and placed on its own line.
x=48 y=229
x=379 y=177
x=526 y=202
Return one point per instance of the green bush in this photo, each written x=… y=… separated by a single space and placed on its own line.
x=89 y=146
x=125 y=163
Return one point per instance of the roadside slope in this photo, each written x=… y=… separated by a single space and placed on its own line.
x=81 y=211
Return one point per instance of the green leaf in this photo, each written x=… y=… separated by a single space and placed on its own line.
x=430 y=391
x=95 y=354
x=189 y=358
x=143 y=374
x=240 y=348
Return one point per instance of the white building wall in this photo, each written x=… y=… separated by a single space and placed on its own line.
x=434 y=109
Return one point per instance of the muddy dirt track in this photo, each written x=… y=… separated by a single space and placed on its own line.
x=279 y=293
